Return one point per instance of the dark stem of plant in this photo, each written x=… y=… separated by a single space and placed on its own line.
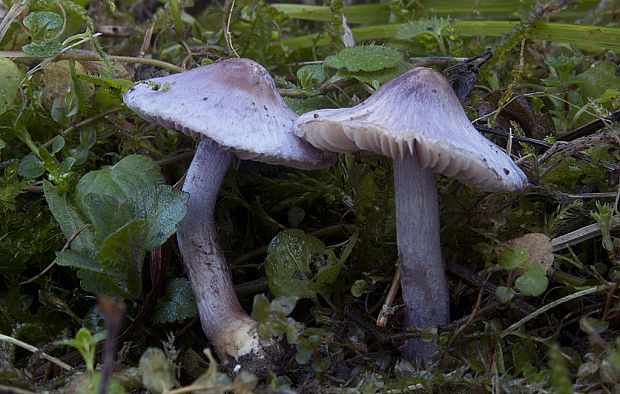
x=424 y=286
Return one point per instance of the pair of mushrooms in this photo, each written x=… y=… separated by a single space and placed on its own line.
x=233 y=106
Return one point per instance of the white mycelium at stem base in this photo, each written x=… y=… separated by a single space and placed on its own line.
x=223 y=320
x=417 y=120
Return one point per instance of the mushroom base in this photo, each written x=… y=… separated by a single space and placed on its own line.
x=424 y=286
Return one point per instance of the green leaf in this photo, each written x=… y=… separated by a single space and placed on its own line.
x=597 y=79
x=298 y=264
x=68 y=217
x=162 y=207
x=364 y=58
x=45 y=49
x=513 y=257
x=121 y=84
x=295 y=216
x=10 y=78
x=58 y=143
x=82 y=260
x=522 y=353
x=91 y=386
x=42 y=24
x=212 y=377
x=301 y=106
x=311 y=75
x=421 y=26
x=122 y=255
x=504 y=294
x=178 y=303
x=30 y=166
x=591 y=325
x=158 y=374
x=560 y=375
x=122 y=180
x=534 y=282
x=358 y=288
x=106 y=214
x=376 y=78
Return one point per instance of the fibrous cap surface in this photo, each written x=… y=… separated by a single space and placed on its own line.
x=235 y=103
x=415 y=112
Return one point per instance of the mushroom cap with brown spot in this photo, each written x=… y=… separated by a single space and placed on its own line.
x=416 y=110
x=235 y=103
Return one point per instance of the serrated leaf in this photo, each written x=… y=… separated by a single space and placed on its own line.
x=298 y=264
x=82 y=260
x=364 y=58
x=513 y=257
x=122 y=180
x=162 y=207
x=106 y=214
x=421 y=26
x=534 y=282
x=377 y=77
x=122 y=255
x=10 y=78
x=45 y=49
x=178 y=303
x=42 y=23
x=68 y=217
x=30 y=166
x=157 y=371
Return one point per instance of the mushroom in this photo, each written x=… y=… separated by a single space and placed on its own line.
x=417 y=120
x=230 y=106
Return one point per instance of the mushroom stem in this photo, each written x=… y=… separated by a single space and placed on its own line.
x=224 y=321
x=424 y=285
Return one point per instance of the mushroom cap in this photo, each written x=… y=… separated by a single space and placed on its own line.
x=235 y=103
x=416 y=110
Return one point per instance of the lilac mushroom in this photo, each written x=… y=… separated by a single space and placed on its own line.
x=231 y=107
x=417 y=120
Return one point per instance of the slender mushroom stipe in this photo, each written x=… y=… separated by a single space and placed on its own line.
x=417 y=120
x=231 y=106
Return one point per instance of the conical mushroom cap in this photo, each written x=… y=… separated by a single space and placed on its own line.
x=235 y=103
x=416 y=110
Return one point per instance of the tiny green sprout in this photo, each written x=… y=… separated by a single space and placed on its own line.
x=603 y=216
x=85 y=343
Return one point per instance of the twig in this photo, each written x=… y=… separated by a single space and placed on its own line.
x=590 y=128
x=14 y=390
x=389 y=298
x=33 y=349
x=582 y=234
x=471 y=316
x=67 y=244
x=69 y=129
x=551 y=305
x=84 y=55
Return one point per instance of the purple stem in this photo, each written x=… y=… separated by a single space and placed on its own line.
x=223 y=319
x=424 y=286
